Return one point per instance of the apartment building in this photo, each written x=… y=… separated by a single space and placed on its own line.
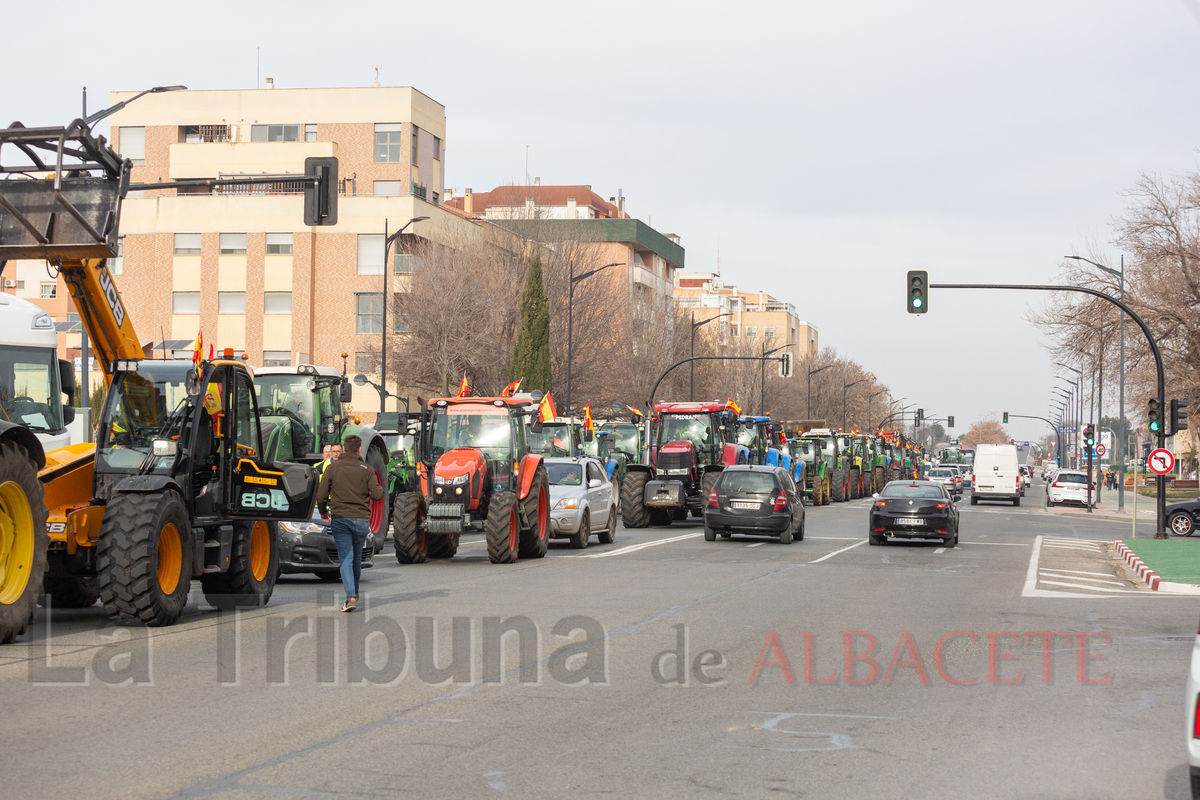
x=753 y=318
x=238 y=262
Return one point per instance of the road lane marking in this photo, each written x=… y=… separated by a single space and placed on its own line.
x=1031 y=574
x=1045 y=574
x=1077 y=572
x=999 y=544
x=859 y=543
x=635 y=547
x=834 y=538
x=939 y=550
x=1085 y=586
x=756 y=544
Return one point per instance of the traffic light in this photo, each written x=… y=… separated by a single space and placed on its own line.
x=785 y=364
x=1154 y=415
x=1089 y=436
x=320 y=201
x=1178 y=416
x=918 y=290
x=1005 y=417
x=920 y=417
x=950 y=421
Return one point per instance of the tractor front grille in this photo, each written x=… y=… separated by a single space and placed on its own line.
x=674 y=461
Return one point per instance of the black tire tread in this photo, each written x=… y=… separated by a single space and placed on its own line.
x=443 y=546
x=18 y=467
x=500 y=510
x=125 y=556
x=404 y=529
x=237 y=587
x=533 y=542
x=633 y=500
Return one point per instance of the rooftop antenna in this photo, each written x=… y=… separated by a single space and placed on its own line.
x=257 y=66
x=718 y=254
x=376 y=75
x=526 y=165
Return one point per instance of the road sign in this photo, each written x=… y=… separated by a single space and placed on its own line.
x=1161 y=461
x=1101 y=450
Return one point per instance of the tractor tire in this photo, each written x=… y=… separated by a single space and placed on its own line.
x=253 y=565
x=69 y=592
x=837 y=482
x=24 y=542
x=579 y=540
x=633 y=500
x=503 y=528
x=535 y=540
x=443 y=546
x=879 y=480
x=144 y=558
x=381 y=512
x=707 y=482
x=855 y=484
x=609 y=534
x=408 y=537
x=827 y=490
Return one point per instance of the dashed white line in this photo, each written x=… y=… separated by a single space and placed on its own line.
x=635 y=547
x=859 y=543
x=939 y=550
x=756 y=544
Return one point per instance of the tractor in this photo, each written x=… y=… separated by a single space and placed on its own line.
x=810 y=452
x=476 y=475
x=615 y=462
x=836 y=454
x=560 y=436
x=627 y=439
x=694 y=442
x=764 y=441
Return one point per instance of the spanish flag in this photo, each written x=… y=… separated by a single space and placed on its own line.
x=546 y=409
x=736 y=409
x=635 y=412
x=512 y=388
x=198 y=350
x=588 y=425
x=463 y=388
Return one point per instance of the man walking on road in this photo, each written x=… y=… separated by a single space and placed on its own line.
x=347 y=489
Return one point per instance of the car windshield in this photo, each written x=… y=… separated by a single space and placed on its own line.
x=143 y=406
x=690 y=427
x=29 y=388
x=912 y=490
x=1066 y=477
x=941 y=473
x=565 y=474
x=745 y=482
x=485 y=428
x=553 y=440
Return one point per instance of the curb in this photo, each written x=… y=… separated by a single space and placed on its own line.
x=1137 y=565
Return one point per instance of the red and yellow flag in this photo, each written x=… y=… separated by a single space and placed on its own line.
x=737 y=409
x=546 y=409
x=588 y=424
x=635 y=412
x=512 y=388
x=463 y=388
x=198 y=350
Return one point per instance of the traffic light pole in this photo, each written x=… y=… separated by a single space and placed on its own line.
x=1057 y=434
x=1161 y=435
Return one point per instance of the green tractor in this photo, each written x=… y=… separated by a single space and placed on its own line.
x=862 y=466
x=817 y=454
x=626 y=439
x=616 y=463
x=835 y=451
x=561 y=436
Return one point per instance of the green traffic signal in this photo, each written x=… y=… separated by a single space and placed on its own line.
x=918 y=284
x=1154 y=415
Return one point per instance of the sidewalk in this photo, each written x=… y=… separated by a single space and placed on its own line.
x=1166 y=565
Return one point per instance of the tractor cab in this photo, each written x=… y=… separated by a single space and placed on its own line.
x=301 y=410
x=561 y=436
x=626 y=438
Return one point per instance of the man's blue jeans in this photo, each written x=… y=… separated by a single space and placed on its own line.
x=351 y=537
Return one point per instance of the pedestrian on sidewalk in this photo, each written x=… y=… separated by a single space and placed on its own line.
x=345 y=494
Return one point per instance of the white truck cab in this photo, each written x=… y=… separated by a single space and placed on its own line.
x=32 y=377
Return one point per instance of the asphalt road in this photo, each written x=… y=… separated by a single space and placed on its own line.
x=217 y=706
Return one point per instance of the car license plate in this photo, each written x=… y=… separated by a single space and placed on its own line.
x=910 y=521
x=744 y=504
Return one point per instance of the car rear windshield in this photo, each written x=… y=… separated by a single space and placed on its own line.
x=732 y=483
x=941 y=473
x=910 y=490
x=1071 y=478
x=565 y=474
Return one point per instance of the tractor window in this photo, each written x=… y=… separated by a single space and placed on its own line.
x=484 y=428
x=625 y=438
x=330 y=409
x=286 y=403
x=694 y=428
x=142 y=406
x=249 y=443
x=553 y=440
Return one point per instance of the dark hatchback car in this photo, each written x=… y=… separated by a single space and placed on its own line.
x=309 y=547
x=757 y=500
x=914 y=510
x=1182 y=517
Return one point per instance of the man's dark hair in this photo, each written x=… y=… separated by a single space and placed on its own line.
x=352 y=443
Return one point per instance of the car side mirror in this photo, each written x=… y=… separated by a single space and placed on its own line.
x=875 y=496
x=594 y=483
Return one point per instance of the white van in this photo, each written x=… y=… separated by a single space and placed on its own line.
x=997 y=474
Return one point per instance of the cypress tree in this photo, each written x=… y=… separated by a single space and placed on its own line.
x=531 y=355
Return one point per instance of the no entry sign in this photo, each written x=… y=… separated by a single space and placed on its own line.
x=1161 y=461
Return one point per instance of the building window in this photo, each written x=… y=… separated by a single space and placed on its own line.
x=733 y=331
x=398 y=323
x=274 y=133
x=117 y=265
x=370 y=254
x=365 y=362
x=435 y=198
x=185 y=303
x=233 y=244
x=279 y=244
x=387 y=142
x=437 y=148
x=412 y=157
x=133 y=144
x=277 y=358
x=310 y=135
x=769 y=332
x=231 y=302
x=20 y=286
x=196 y=134
x=388 y=188
x=49 y=291
x=403 y=263
x=277 y=302
x=369 y=312
x=187 y=244
x=751 y=331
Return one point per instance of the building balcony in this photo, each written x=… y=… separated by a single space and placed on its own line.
x=209 y=159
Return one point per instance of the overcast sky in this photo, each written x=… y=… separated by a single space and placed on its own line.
x=825 y=147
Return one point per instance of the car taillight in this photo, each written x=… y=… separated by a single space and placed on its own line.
x=881 y=503
x=780 y=501
x=941 y=505
x=712 y=499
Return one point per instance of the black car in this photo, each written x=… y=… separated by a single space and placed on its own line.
x=309 y=547
x=914 y=510
x=756 y=500
x=1182 y=517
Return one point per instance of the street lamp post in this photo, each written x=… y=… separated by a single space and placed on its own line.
x=762 y=378
x=846 y=386
x=387 y=243
x=1076 y=414
x=692 y=366
x=871 y=397
x=574 y=279
x=1119 y=456
x=812 y=372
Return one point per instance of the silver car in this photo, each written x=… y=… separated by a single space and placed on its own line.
x=948 y=477
x=582 y=501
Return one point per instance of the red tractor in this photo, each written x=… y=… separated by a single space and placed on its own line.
x=694 y=442
x=476 y=476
